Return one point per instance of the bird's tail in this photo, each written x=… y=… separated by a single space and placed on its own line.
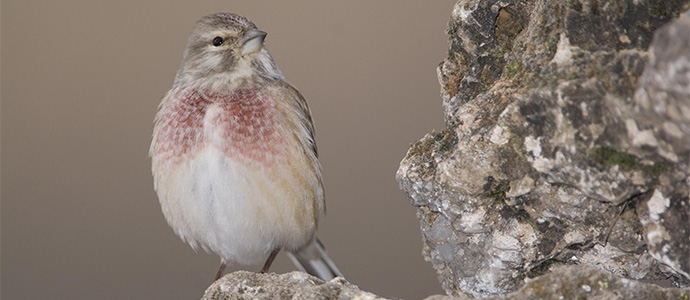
x=313 y=259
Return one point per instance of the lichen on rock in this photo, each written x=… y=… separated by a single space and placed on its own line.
x=567 y=142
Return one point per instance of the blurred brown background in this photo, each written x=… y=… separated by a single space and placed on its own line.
x=80 y=84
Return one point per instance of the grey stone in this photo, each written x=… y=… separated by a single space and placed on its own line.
x=584 y=282
x=565 y=282
x=662 y=107
x=567 y=142
x=294 y=285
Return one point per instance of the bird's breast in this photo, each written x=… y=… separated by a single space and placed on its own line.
x=244 y=125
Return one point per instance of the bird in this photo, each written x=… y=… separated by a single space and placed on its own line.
x=233 y=155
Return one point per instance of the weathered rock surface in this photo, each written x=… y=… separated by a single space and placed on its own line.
x=565 y=282
x=567 y=142
x=585 y=282
x=294 y=285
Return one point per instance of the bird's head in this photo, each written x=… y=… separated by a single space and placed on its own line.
x=226 y=49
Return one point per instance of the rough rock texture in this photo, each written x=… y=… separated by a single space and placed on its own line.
x=294 y=285
x=585 y=282
x=566 y=282
x=567 y=142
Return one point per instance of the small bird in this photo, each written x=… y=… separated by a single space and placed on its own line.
x=233 y=155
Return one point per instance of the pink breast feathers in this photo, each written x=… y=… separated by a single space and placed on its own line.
x=247 y=127
x=242 y=125
x=180 y=127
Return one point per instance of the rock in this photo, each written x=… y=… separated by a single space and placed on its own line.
x=662 y=104
x=586 y=282
x=567 y=142
x=565 y=282
x=294 y=285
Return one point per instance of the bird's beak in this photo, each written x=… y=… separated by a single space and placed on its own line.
x=252 y=41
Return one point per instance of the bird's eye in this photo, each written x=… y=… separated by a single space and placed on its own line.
x=217 y=41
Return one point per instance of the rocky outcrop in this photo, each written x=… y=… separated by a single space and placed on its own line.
x=567 y=142
x=585 y=282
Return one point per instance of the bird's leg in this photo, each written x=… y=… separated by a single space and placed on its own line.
x=270 y=259
x=220 y=270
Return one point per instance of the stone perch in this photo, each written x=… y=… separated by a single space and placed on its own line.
x=294 y=285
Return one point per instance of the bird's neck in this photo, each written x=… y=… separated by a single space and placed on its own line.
x=248 y=72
